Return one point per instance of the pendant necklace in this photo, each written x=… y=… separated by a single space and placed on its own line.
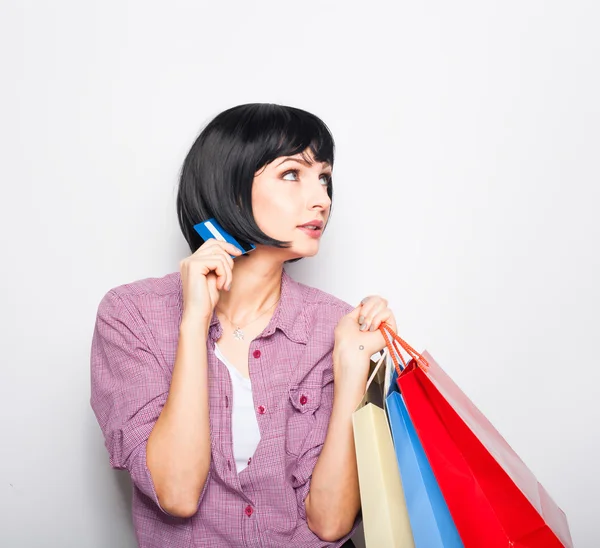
x=238 y=332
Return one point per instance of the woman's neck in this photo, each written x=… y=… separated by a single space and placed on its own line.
x=256 y=287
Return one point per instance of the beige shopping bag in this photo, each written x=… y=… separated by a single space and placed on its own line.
x=385 y=517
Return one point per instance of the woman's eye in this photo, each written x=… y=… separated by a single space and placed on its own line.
x=325 y=177
x=294 y=171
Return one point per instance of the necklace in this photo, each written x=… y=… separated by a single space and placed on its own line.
x=238 y=332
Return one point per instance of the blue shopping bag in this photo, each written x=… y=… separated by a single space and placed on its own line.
x=430 y=520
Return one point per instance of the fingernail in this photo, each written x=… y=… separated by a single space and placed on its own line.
x=363 y=327
x=372 y=328
x=229 y=287
x=361 y=320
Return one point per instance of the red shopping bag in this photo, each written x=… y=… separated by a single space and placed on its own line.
x=494 y=499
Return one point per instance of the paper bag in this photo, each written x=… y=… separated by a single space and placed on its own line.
x=385 y=517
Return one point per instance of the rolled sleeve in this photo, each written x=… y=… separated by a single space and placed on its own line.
x=129 y=388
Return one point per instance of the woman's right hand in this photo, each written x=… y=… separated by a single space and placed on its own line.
x=204 y=274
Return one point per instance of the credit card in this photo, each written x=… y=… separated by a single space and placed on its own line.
x=212 y=229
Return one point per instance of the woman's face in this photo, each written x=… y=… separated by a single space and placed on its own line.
x=289 y=195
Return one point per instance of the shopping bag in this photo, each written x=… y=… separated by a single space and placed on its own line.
x=384 y=513
x=494 y=499
x=430 y=520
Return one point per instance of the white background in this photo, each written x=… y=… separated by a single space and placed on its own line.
x=466 y=192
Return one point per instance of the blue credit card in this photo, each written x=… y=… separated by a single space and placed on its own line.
x=212 y=229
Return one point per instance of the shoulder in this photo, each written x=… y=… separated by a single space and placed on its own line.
x=324 y=302
x=147 y=298
x=319 y=305
x=166 y=285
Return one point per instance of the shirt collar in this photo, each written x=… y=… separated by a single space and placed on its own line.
x=289 y=316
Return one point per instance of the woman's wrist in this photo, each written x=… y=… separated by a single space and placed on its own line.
x=350 y=370
x=195 y=322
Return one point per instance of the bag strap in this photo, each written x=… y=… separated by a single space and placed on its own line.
x=395 y=344
x=375 y=369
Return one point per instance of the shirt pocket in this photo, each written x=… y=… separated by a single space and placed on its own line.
x=303 y=402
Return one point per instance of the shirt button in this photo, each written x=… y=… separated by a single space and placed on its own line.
x=261 y=409
x=226 y=401
x=256 y=354
x=229 y=464
x=248 y=510
x=249 y=461
x=303 y=399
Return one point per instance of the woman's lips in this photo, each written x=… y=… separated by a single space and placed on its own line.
x=311 y=232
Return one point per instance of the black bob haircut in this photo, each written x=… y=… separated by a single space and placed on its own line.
x=218 y=171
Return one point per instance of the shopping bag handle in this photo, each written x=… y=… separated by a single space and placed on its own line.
x=375 y=370
x=394 y=351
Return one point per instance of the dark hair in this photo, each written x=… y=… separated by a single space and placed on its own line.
x=218 y=171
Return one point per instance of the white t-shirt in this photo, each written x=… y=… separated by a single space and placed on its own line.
x=245 y=431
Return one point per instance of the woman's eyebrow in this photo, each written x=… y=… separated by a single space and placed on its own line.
x=301 y=161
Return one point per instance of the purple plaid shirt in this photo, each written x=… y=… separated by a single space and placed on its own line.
x=132 y=357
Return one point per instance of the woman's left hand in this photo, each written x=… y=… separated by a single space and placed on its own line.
x=359 y=331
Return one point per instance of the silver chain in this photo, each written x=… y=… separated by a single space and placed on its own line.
x=238 y=332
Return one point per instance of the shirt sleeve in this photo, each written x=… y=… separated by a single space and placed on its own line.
x=129 y=387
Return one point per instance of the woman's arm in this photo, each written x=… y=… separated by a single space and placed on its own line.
x=178 y=450
x=129 y=391
x=333 y=501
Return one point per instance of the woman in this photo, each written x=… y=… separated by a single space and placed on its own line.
x=226 y=389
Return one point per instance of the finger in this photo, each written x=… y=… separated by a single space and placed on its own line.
x=372 y=300
x=218 y=264
x=364 y=307
x=228 y=264
x=218 y=252
x=229 y=248
x=204 y=266
x=372 y=307
x=226 y=256
x=385 y=315
x=368 y=322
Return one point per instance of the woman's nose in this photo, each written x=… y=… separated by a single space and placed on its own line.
x=319 y=197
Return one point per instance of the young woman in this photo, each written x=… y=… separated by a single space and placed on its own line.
x=226 y=389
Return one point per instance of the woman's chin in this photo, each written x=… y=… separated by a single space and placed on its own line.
x=306 y=250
